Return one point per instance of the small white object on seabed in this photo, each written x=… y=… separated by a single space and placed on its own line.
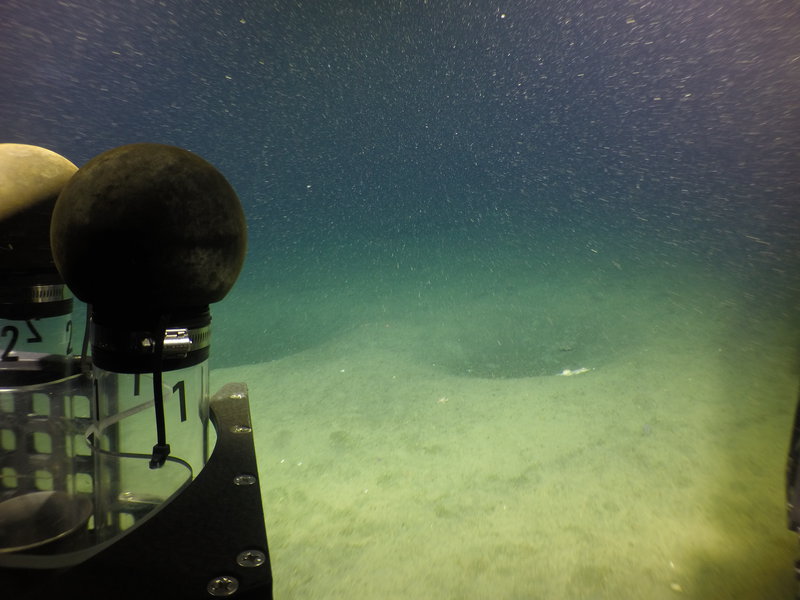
x=570 y=372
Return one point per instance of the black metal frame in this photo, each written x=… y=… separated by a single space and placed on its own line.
x=189 y=543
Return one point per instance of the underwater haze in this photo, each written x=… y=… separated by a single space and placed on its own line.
x=519 y=315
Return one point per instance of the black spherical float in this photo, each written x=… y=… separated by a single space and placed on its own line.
x=150 y=227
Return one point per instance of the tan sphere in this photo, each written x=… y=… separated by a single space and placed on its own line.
x=30 y=180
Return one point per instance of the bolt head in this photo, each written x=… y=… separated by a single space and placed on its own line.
x=244 y=479
x=223 y=586
x=251 y=558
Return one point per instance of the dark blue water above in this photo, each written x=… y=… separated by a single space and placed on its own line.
x=380 y=118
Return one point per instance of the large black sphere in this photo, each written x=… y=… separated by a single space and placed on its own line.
x=148 y=227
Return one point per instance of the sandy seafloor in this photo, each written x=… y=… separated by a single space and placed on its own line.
x=415 y=441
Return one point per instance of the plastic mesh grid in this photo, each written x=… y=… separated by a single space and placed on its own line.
x=41 y=439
